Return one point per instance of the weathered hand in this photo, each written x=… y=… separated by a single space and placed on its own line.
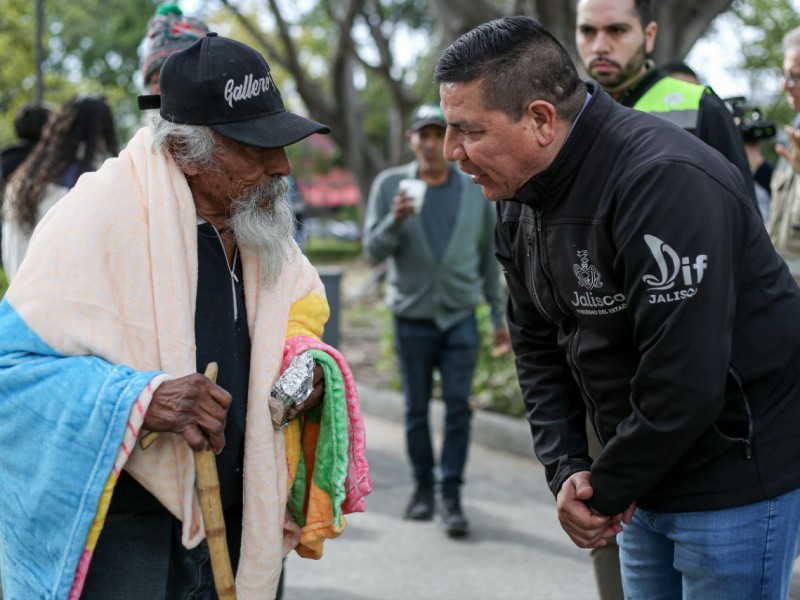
x=791 y=152
x=191 y=406
x=317 y=395
x=586 y=528
x=402 y=207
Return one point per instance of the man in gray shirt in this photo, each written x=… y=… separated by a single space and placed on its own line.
x=441 y=266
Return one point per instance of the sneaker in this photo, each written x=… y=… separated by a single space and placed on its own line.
x=453 y=521
x=420 y=508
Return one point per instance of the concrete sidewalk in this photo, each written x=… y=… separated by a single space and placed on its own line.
x=517 y=549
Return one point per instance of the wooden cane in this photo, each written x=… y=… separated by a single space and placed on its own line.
x=207 y=484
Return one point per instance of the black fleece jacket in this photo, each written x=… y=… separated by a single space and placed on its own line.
x=645 y=290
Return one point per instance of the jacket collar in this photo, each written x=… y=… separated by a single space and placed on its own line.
x=545 y=189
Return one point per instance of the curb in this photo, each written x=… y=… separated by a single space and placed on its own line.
x=494 y=431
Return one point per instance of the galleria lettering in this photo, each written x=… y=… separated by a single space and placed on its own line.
x=247 y=89
x=589 y=300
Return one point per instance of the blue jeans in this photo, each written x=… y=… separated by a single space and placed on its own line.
x=421 y=347
x=743 y=553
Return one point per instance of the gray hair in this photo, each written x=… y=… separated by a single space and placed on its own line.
x=189 y=145
x=792 y=39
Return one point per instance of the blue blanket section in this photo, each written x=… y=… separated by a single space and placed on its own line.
x=62 y=422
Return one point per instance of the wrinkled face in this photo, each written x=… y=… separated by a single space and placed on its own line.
x=428 y=147
x=238 y=168
x=611 y=42
x=791 y=77
x=498 y=154
x=247 y=185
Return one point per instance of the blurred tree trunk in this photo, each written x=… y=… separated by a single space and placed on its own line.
x=340 y=102
x=680 y=22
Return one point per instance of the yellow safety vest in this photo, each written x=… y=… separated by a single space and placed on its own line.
x=675 y=100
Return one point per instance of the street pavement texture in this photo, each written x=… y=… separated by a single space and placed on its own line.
x=516 y=548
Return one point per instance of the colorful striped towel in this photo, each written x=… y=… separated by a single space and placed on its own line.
x=325 y=451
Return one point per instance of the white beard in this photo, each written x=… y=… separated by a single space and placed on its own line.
x=262 y=221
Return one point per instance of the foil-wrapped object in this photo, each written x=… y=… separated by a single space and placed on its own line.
x=292 y=389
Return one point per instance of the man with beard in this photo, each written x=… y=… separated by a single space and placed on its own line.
x=615 y=39
x=784 y=224
x=175 y=254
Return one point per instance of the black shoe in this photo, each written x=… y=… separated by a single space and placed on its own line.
x=421 y=506
x=453 y=521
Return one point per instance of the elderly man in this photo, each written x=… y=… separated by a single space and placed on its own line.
x=175 y=254
x=784 y=223
x=644 y=293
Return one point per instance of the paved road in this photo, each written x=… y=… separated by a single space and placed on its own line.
x=517 y=548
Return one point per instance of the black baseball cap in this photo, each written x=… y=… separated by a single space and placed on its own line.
x=227 y=86
x=427 y=114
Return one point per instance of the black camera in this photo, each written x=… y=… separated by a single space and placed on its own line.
x=749 y=119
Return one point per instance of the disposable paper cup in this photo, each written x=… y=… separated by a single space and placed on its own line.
x=414 y=189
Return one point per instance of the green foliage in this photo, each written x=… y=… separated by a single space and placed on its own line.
x=763 y=25
x=330 y=250
x=91 y=47
x=387 y=361
x=495 y=386
x=3 y=283
x=765 y=21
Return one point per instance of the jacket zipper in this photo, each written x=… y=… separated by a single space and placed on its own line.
x=533 y=259
x=748 y=441
x=537 y=257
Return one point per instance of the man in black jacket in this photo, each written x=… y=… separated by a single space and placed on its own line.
x=615 y=39
x=644 y=293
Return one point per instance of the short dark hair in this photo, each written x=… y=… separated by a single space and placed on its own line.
x=678 y=66
x=645 y=10
x=29 y=121
x=518 y=61
x=66 y=150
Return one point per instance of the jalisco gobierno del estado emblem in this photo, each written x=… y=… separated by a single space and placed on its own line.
x=588 y=302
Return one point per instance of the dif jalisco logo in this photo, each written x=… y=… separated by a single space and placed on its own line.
x=249 y=87
x=673 y=272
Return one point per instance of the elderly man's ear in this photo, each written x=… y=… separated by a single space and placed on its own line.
x=173 y=148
